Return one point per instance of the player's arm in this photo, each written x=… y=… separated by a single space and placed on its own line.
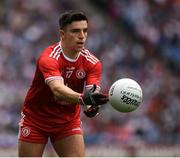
x=52 y=75
x=62 y=92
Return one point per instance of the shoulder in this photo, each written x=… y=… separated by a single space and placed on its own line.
x=89 y=57
x=52 y=51
x=50 y=54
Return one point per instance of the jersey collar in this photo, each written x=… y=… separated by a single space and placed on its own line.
x=66 y=57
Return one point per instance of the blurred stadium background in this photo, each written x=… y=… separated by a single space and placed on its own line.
x=139 y=39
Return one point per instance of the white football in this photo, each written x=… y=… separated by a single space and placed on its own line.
x=125 y=95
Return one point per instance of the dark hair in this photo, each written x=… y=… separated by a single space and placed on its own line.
x=70 y=16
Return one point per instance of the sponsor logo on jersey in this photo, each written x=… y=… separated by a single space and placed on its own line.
x=70 y=68
x=80 y=74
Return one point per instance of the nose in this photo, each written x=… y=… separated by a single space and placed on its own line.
x=81 y=35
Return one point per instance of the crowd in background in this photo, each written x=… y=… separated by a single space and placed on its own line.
x=139 y=39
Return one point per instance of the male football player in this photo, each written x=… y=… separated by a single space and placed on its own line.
x=51 y=109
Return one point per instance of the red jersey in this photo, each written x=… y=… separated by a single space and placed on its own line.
x=53 y=64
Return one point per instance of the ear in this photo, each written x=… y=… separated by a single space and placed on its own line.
x=62 y=34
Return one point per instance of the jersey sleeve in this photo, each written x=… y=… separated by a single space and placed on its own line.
x=49 y=68
x=94 y=76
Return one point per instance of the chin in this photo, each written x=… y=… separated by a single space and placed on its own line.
x=79 y=49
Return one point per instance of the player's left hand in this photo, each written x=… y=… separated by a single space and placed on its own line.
x=93 y=110
x=93 y=98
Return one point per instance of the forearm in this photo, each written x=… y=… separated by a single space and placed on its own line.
x=62 y=92
x=66 y=94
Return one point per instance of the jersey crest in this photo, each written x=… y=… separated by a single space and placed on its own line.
x=80 y=74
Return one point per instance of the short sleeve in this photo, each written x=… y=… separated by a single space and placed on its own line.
x=94 y=76
x=49 y=68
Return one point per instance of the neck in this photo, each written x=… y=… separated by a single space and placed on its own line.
x=69 y=53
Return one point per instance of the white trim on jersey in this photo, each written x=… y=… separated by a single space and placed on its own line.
x=56 y=52
x=88 y=87
x=53 y=78
x=69 y=59
x=89 y=57
x=87 y=51
x=54 y=49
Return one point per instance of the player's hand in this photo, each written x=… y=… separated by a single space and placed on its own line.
x=92 y=98
x=92 y=111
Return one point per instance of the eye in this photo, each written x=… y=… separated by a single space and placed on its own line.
x=75 y=30
x=85 y=30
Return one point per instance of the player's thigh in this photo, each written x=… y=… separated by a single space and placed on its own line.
x=71 y=146
x=26 y=149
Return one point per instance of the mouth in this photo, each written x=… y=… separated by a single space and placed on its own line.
x=80 y=43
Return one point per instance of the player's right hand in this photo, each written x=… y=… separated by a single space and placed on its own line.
x=92 y=98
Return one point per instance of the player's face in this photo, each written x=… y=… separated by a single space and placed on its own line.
x=74 y=35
